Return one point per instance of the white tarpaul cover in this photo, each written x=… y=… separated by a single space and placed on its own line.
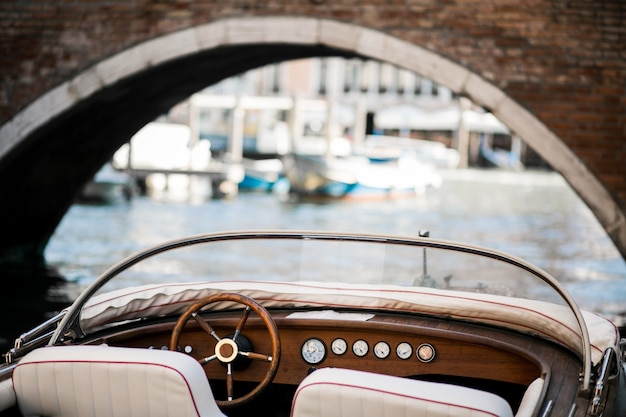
x=544 y=319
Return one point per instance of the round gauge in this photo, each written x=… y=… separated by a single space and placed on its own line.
x=425 y=352
x=360 y=347
x=313 y=351
x=381 y=350
x=404 y=350
x=339 y=346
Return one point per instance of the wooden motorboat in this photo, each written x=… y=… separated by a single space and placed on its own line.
x=279 y=323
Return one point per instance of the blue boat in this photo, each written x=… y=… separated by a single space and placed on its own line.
x=261 y=174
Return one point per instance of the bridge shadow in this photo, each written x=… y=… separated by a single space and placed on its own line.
x=28 y=296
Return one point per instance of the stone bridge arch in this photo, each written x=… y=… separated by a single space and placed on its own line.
x=47 y=130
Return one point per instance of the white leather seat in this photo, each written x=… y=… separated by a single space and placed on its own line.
x=331 y=392
x=98 y=381
x=7 y=395
x=531 y=398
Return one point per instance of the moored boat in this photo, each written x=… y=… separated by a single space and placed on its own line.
x=108 y=186
x=357 y=176
x=261 y=174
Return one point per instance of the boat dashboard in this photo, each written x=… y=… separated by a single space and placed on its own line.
x=483 y=357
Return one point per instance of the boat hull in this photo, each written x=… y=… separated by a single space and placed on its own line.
x=356 y=176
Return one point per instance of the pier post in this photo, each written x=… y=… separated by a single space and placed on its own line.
x=235 y=143
x=463 y=133
x=360 y=121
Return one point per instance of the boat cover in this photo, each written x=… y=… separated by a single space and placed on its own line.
x=547 y=320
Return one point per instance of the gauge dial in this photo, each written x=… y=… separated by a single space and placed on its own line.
x=360 y=347
x=404 y=350
x=381 y=350
x=339 y=346
x=313 y=351
x=425 y=352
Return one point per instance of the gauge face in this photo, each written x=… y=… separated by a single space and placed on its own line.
x=339 y=346
x=360 y=347
x=404 y=350
x=425 y=352
x=313 y=351
x=381 y=350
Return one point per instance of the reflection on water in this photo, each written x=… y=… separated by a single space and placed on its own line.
x=532 y=215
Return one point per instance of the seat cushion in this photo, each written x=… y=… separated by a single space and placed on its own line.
x=331 y=392
x=84 y=381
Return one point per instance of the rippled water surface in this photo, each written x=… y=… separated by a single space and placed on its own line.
x=533 y=215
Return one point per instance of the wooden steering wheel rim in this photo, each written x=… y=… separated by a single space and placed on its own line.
x=269 y=324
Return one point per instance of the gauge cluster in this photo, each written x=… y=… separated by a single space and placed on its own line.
x=314 y=350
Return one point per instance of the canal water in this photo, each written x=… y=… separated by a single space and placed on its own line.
x=533 y=215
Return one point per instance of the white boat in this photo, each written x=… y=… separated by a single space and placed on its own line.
x=173 y=166
x=358 y=176
x=163 y=146
x=308 y=323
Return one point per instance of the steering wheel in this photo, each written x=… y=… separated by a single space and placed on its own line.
x=234 y=347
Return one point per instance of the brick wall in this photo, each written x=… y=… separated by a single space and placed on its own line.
x=565 y=61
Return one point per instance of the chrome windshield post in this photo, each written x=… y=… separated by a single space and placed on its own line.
x=609 y=369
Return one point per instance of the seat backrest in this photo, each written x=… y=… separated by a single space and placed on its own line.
x=7 y=395
x=331 y=392
x=99 y=381
x=531 y=398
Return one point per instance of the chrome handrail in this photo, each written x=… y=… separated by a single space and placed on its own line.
x=36 y=337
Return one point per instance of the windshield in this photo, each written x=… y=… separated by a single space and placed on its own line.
x=352 y=261
x=404 y=274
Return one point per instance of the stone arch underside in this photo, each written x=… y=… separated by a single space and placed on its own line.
x=67 y=134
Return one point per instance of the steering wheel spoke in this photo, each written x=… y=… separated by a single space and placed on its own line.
x=207 y=360
x=229 y=383
x=207 y=328
x=257 y=356
x=242 y=322
x=230 y=350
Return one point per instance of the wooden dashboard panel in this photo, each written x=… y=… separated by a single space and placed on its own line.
x=462 y=350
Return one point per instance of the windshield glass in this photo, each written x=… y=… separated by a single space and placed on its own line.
x=377 y=261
